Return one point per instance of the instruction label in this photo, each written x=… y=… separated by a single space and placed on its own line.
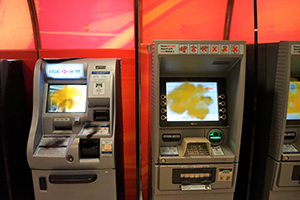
x=168 y=151
x=217 y=151
x=100 y=76
x=168 y=48
x=295 y=48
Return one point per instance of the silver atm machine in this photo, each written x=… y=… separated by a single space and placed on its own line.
x=197 y=112
x=76 y=118
x=282 y=178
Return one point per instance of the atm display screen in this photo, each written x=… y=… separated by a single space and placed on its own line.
x=192 y=101
x=66 y=99
x=293 y=110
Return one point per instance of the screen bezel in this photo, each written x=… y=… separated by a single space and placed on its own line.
x=221 y=90
x=65 y=84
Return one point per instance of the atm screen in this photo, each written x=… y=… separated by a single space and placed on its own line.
x=66 y=98
x=192 y=101
x=293 y=110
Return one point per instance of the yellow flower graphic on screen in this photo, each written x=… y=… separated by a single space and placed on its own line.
x=191 y=98
x=67 y=97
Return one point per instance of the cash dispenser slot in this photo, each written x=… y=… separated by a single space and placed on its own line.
x=101 y=115
x=289 y=135
x=62 y=125
x=89 y=148
x=194 y=176
x=72 y=179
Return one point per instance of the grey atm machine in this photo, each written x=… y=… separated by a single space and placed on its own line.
x=282 y=178
x=71 y=147
x=197 y=112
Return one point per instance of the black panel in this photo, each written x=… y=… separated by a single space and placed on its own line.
x=89 y=148
x=296 y=173
x=14 y=123
x=43 y=183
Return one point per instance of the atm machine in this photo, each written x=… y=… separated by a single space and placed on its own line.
x=281 y=177
x=76 y=118
x=197 y=112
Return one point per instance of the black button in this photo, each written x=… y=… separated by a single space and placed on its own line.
x=43 y=184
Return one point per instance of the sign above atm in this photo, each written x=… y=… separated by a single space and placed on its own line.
x=65 y=70
x=200 y=48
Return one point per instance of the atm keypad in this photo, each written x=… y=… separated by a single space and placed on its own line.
x=197 y=149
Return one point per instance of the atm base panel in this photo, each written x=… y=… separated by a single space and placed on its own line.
x=103 y=188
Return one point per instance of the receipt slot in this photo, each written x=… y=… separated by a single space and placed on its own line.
x=197 y=111
x=76 y=119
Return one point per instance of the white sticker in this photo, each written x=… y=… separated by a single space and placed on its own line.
x=100 y=77
x=204 y=48
x=217 y=151
x=195 y=187
x=168 y=48
x=235 y=49
x=106 y=149
x=224 y=49
x=295 y=49
x=193 y=48
x=99 y=88
x=183 y=49
x=168 y=151
x=214 y=49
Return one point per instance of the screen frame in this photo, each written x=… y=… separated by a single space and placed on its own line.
x=65 y=84
x=221 y=85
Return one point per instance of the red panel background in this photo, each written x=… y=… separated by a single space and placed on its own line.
x=145 y=64
x=179 y=19
x=15 y=25
x=278 y=20
x=242 y=21
x=85 y=24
